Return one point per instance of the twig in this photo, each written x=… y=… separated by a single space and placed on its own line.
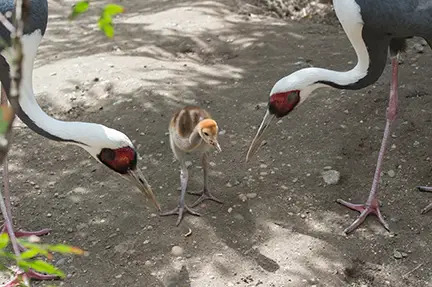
x=415 y=268
x=8 y=25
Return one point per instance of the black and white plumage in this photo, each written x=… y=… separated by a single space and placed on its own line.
x=108 y=146
x=374 y=28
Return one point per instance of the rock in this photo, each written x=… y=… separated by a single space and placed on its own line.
x=263 y=165
x=49 y=215
x=228 y=184
x=230 y=210
x=242 y=197
x=331 y=176
x=263 y=173
x=177 y=251
x=251 y=195
x=397 y=254
x=188 y=163
x=391 y=173
x=419 y=48
x=148 y=263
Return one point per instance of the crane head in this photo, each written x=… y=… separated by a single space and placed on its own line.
x=208 y=130
x=280 y=104
x=116 y=151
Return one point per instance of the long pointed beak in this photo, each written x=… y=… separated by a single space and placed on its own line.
x=256 y=143
x=139 y=180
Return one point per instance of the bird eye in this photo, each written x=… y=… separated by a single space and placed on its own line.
x=206 y=134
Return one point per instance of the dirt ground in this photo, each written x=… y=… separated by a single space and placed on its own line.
x=224 y=56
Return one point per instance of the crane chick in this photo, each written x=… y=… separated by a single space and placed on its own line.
x=192 y=130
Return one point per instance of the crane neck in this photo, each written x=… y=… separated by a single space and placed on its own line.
x=29 y=111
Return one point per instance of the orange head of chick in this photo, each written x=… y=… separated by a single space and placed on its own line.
x=208 y=130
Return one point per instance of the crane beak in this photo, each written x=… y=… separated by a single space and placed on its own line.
x=139 y=180
x=256 y=143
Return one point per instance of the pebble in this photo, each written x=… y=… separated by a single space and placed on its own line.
x=242 y=197
x=188 y=163
x=391 y=173
x=418 y=48
x=251 y=195
x=230 y=210
x=118 y=276
x=397 y=254
x=148 y=263
x=177 y=251
x=263 y=165
x=303 y=216
x=295 y=180
x=331 y=176
x=228 y=184
x=263 y=173
x=49 y=215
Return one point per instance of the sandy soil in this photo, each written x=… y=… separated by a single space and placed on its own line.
x=167 y=54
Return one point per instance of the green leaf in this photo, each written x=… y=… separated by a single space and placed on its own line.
x=41 y=266
x=4 y=237
x=113 y=9
x=109 y=30
x=79 y=8
x=65 y=249
x=30 y=253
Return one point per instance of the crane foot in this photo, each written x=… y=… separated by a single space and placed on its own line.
x=180 y=210
x=22 y=276
x=204 y=195
x=425 y=189
x=364 y=210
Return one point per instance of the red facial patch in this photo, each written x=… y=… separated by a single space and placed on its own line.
x=281 y=104
x=120 y=160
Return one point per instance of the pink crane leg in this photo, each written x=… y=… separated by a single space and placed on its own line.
x=8 y=227
x=372 y=205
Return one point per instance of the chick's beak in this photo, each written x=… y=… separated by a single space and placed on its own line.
x=217 y=146
x=139 y=180
x=256 y=143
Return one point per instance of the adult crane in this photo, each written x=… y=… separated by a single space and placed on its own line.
x=108 y=146
x=373 y=28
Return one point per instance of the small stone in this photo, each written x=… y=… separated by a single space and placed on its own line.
x=397 y=254
x=295 y=180
x=49 y=215
x=118 y=276
x=391 y=173
x=146 y=241
x=228 y=184
x=331 y=176
x=69 y=230
x=251 y=195
x=230 y=210
x=148 y=263
x=242 y=197
x=416 y=144
x=327 y=167
x=263 y=173
x=263 y=165
x=303 y=216
x=177 y=251
x=418 y=48
x=188 y=163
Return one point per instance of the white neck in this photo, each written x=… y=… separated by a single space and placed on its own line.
x=306 y=79
x=87 y=135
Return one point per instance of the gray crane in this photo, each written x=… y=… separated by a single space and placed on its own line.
x=374 y=28
x=108 y=146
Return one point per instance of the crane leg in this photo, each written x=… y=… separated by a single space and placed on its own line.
x=181 y=207
x=20 y=276
x=205 y=194
x=372 y=204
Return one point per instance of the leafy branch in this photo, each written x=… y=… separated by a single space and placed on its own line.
x=105 y=21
